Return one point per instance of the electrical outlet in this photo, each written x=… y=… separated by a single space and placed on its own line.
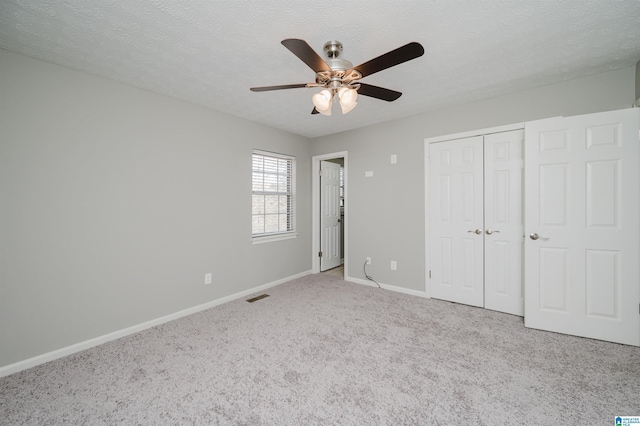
x=207 y=278
x=394 y=159
x=394 y=265
x=368 y=259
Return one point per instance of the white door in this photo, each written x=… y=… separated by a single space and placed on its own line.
x=582 y=188
x=456 y=221
x=329 y=215
x=476 y=221
x=503 y=222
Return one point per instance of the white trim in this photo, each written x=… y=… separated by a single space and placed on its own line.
x=315 y=208
x=480 y=132
x=443 y=138
x=275 y=237
x=427 y=246
x=87 y=344
x=387 y=287
x=274 y=154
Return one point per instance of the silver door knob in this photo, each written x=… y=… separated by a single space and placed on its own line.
x=477 y=231
x=490 y=231
x=535 y=236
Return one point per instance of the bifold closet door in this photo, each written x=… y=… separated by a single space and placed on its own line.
x=582 y=224
x=456 y=221
x=503 y=220
x=475 y=221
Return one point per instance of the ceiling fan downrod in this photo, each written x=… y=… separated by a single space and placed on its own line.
x=332 y=50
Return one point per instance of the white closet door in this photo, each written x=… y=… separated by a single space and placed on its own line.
x=456 y=221
x=503 y=168
x=330 y=215
x=582 y=223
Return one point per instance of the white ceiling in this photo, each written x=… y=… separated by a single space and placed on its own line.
x=209 y=52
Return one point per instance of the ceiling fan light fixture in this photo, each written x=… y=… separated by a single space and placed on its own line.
x=323 y=101
x=347 y=98
x=346 y=109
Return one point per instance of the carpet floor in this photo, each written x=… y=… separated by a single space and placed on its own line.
x=322 y=351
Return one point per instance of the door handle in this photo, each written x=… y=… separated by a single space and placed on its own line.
x=477 y=231
x=535 y=236
x=490 y=231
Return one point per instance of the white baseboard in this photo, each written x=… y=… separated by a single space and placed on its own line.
x=387 y=287
x=87 y=344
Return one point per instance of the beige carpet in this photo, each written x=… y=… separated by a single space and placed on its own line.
x=320 y=351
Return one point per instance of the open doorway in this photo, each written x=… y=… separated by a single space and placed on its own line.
x=330 y=213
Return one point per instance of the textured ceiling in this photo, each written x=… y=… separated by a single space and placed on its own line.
x=209 y=52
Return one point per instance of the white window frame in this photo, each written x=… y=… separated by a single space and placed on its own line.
x=265 y=237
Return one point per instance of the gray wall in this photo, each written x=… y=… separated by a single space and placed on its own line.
x=637 y=81
x=114 y=203
x=387 y=211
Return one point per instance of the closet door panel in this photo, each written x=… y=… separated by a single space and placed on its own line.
x=503 y=168
x=455 y=188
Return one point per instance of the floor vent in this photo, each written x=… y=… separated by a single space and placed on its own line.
x=255 y=299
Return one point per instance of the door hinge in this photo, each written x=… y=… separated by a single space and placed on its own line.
x=429 y=273
x=320 y=172
x=319 y=254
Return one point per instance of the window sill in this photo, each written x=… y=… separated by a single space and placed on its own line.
x=272 y=238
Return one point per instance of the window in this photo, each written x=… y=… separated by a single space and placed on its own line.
x=273 y=196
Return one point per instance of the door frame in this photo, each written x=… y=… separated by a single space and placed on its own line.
x=315 y=208
x=443 y=138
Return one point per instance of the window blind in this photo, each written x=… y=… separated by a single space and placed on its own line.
x=273 y=193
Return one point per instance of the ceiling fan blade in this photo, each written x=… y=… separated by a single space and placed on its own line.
x=315 y=111
x=302 y=50
x=378 y=92
x=285 y=86
x=401 y=54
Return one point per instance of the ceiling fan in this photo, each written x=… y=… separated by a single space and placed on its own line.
x=339 y=78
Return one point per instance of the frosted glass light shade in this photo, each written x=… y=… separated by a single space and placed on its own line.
x=346 y=109
x=322 y=102
x=347 y=99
